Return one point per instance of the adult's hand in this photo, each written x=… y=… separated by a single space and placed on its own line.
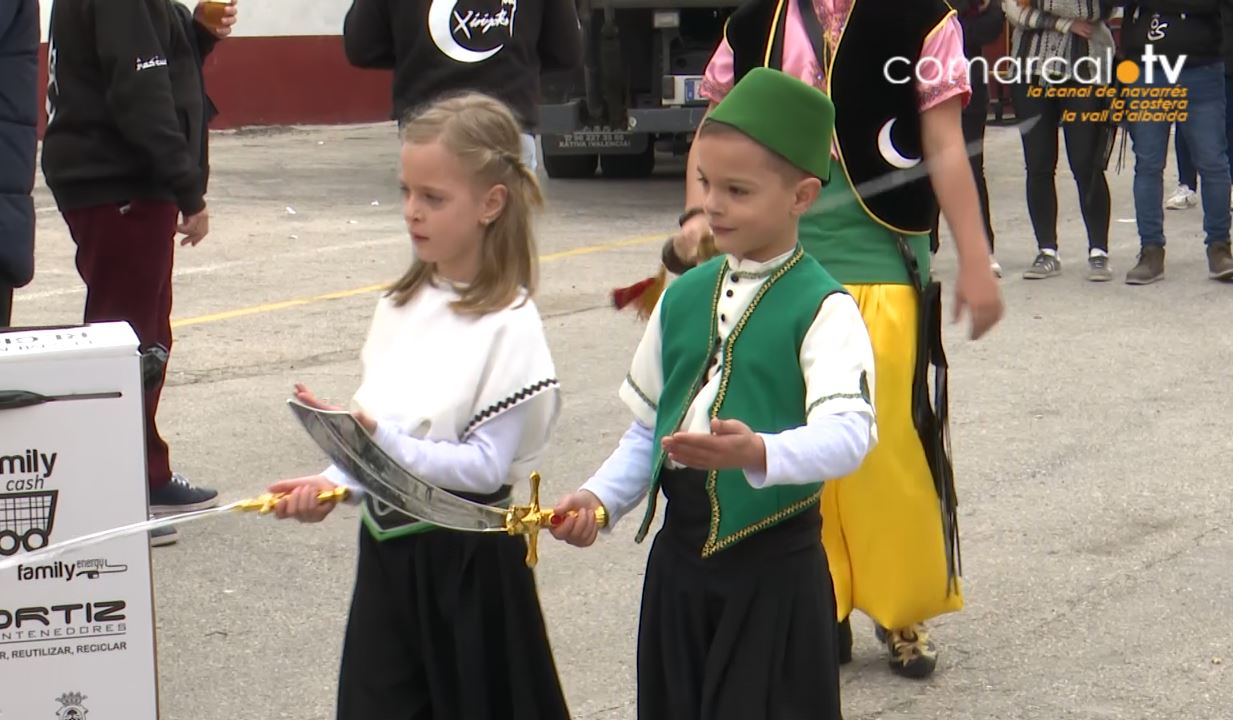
x=224 y=26
x=1083 y=29
x=194 y=228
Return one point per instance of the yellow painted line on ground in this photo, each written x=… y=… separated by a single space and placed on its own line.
x=342 y=294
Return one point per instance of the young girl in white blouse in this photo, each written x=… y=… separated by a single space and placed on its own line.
x=460 y=388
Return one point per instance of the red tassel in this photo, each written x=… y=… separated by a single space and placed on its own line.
x=624 y=296
x=644 y=294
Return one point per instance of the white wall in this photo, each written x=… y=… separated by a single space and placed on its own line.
x=265 y=18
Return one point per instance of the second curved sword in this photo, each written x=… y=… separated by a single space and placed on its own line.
x=340 y=436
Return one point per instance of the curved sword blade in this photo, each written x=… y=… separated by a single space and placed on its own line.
x=345 y=442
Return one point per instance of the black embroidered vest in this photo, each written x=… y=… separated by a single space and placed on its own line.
x=877 y=122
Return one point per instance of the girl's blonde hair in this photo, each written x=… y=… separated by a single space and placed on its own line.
x=484 y=135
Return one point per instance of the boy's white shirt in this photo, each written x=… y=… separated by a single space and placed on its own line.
x=840 y=424
x=467 y=403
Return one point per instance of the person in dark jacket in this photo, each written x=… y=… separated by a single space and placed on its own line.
x=19 y=101
x=1186 y=35
x=124 y=156
x=496 y=47
x=982 y=21
x=1187 y=175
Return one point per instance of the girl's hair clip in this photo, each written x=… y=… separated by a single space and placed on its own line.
x=514 y=161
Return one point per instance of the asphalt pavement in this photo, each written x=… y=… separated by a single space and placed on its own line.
x=1089 y=431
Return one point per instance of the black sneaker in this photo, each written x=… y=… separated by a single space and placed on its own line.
x=1045 y=266
x=178 y=496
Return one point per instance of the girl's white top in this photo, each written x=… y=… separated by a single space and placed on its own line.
x=465 y=402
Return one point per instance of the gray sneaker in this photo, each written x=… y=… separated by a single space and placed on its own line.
x=1098 y=268
x=1150 y=267
x=1220 y=261
x=1046 y=266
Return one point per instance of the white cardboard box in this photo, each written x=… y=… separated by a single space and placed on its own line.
x=76 y=631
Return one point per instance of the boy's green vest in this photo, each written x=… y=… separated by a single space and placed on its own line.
x=761 y=383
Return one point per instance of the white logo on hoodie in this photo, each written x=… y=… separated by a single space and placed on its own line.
x=456 y=31
x=151 y=63
x=1156 y=29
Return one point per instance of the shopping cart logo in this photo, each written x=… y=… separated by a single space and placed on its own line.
x=26 y=520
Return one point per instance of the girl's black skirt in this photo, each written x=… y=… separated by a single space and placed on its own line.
x=446 y=625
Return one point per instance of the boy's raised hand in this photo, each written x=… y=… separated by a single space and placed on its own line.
x=730 y=445
x=301 y=502
x=577 y=514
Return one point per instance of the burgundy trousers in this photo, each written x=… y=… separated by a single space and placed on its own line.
x=124 y=256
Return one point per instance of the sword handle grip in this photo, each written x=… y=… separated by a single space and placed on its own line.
x=264 y=504
x=601 y=517
x=530 y=519
x=338 y=494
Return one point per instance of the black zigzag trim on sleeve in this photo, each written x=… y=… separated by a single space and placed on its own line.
x=509 y=402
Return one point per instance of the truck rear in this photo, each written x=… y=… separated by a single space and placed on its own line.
x=638 y=91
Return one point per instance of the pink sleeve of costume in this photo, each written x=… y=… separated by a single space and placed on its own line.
x=947 y=77
x=718 y=79
x=798 y=60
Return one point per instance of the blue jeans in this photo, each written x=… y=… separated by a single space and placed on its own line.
x=1186 y=173
x=1204 y=132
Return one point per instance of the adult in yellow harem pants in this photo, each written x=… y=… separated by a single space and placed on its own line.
x=889 y=528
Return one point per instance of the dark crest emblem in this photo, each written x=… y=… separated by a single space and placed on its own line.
x=71 y=707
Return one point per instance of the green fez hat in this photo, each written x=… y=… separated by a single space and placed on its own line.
x=783 y=114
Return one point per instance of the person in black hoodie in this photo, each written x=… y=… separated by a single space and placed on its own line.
x=1185 y=31
x=124 y=156
x=982 y=21
x=19 y=100
x=442 y=47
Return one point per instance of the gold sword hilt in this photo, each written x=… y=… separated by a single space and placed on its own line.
x=264 y=504
x=531 y=518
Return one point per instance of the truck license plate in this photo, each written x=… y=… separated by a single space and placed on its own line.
x=592 y=140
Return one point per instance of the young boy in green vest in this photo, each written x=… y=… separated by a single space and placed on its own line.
x=752 y=385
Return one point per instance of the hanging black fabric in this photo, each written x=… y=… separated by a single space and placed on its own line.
x=931 y=408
